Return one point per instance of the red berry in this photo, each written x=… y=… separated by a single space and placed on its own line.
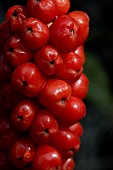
x=66 y=142
x=28 y=80
x=9 y=98
x=68 y=164
x=45 y=10
x=55 y=95
x=80 y=52
x=80 y=87
x=42 y=85
x=15 y=16
x=48 y=59
x=77 y=129
x=64 y=34
x=71 y=69
x=16 y=52
x=34 y=33
x=21 y=152
x=46 y=158
x=83 y=20
x=8 y=135
x=43 y=127
x=75 y=110
x=63 y=7
x=23 y=115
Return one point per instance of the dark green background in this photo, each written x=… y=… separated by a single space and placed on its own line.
x=96 y=152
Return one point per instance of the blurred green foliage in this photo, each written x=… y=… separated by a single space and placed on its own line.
x=99 y=83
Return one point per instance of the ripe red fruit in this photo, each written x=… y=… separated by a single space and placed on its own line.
x=64 y=34
x=48 y=59
x=43 y=127
x=68 y=164
x=77 y=129
x=71 y=69
x=63 y=7
x=80 y=87
x=27 y=79
x=66 y=142
x=80 y=52
x=46 y=158
x=83 y=20
x=23 y=115
x=16 y=52
x=45 y=10
x=9 y=98
x=42 y=85
x=34 y=33
x=8 y=135
x=75 y=110
x=21 y=152
x=15 y=16
x=55 y=95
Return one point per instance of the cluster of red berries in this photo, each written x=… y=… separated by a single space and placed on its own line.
x=42 y=85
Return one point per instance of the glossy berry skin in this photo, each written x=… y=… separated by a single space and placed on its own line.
x=8 y=135
x=80 y=52
x=15 y=16
x=21 y=152
x=68 y=164
x=23 y=115
x=75 y=111
x=48 y=60
x=63 y=7
x=5 y=70
x=65 y=142
x=27 y=80
x=80 y=87
x=46 y=158
x=83 y=20
x=42 y=85
x=9 y=98
x=45 y=10
x=16 y=52
x=64 y=33
x=43 y=127
x=54 y=96
x=34 y=32
x=77 y=129
x=71 y=69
